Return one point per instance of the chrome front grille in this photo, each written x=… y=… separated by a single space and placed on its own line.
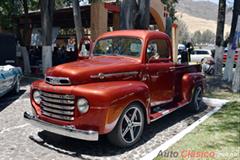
x=59 y=106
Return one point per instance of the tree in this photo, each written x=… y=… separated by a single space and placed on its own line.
x=236 y=78
x=197 y=37
x=47 y=9
x=128 y=14
x=143 y=15
x=228 y=72
x=219 y=48
x=9 y=8
x=23 y=39
x=183 y=32
x=77 y=21
x=208 y=37
x=171 y=7
x=135 y=14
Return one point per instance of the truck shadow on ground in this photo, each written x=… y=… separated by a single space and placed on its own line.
x=9 y=98
x=102 y=148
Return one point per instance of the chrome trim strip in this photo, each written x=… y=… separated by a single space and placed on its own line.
x=57 y=116
x=57 y=100
x=68 y=113
x=166 y=112
x=52 y=95
x=46 y=104
x=56 y=80
x=108 y=75
x=69 y=131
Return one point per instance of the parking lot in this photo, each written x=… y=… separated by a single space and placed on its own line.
x=20 y=140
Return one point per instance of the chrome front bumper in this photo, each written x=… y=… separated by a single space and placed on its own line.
x=69 y=131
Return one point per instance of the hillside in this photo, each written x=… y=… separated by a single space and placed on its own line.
x=200 y=15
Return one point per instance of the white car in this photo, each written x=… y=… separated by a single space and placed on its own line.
x=10 y=79
x=199 y=55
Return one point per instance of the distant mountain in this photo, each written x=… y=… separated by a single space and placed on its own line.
x=203 y=12
x=202 y=9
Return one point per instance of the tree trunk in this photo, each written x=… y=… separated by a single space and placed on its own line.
x=24 y=40
x=135 y=14
x=236 y=78
x=219 y=38
x=47 y=9
x=77 y=21
x=26 y=25
x=128 y=14
x=26 y=62
x=143 y=16
x=228 y=72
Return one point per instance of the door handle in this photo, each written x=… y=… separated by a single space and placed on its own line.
x=171 y=69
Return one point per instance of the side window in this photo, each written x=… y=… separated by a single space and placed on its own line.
x=205 y=52
x=157 y=49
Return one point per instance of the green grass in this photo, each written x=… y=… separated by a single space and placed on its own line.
x=223 y=94
x=220 y=135
x=217 y=88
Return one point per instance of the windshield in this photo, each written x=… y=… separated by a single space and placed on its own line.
x=118 y=46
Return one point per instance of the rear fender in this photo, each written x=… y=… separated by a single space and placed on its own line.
x=189 y=82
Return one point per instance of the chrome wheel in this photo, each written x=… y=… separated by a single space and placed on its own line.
x=129 y=127
x=132 y=124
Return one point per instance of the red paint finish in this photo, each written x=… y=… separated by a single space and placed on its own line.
x=235 y=58
x=112 y=7
x=111 y=83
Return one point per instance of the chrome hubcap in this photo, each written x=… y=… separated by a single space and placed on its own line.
x=198 y=98
x=131 y=125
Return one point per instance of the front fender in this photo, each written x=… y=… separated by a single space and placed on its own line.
x=107 y=100
x=189 y=82
x=114 y=97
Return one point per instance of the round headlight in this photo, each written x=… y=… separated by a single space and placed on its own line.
x=37 y=97
x=82 y=105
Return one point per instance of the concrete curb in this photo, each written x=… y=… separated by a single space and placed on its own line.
x=217 y=103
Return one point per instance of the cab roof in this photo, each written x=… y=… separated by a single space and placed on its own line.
x=142 y=34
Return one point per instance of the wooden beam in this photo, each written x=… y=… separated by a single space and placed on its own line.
x=99 y=19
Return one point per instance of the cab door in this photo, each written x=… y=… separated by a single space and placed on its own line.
x=160 y=77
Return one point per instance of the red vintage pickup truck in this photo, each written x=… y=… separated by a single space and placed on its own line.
x=128 y=80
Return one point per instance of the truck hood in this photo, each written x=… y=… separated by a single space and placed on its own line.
x=101 y=68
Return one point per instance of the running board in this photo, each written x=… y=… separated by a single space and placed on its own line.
x=163 y=112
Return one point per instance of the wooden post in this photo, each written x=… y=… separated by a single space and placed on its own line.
x=116 y=21
x=99 y=19
x=175 y=42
